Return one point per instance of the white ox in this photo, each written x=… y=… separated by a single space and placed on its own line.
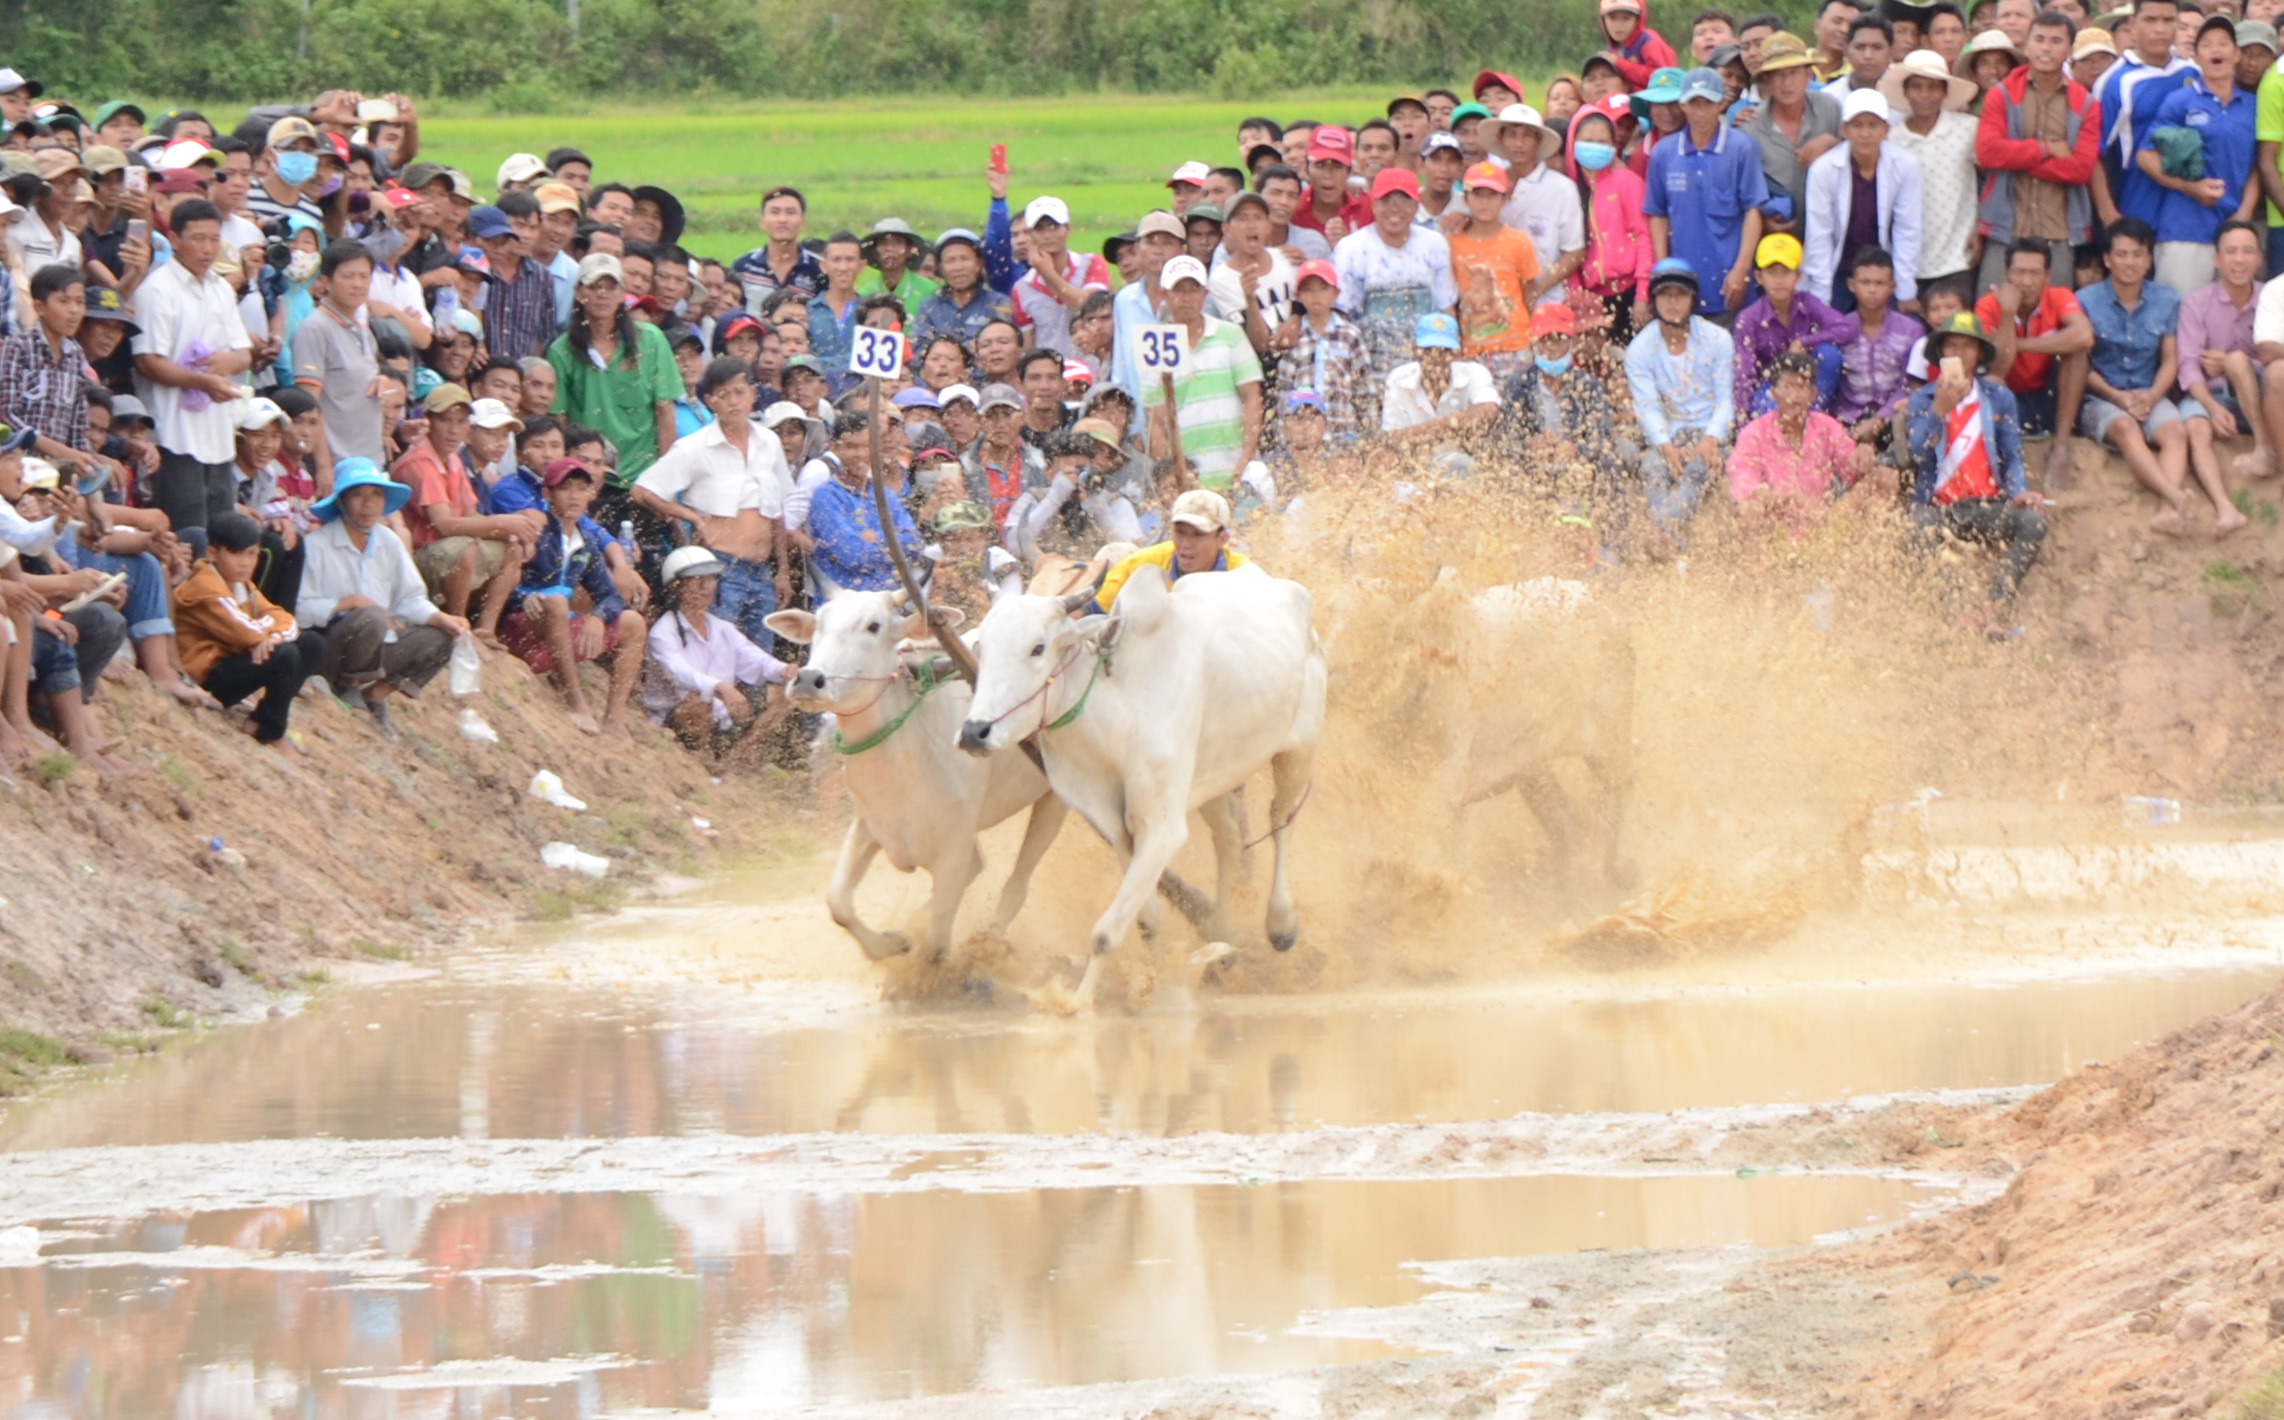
x=917 y=798
x=1166 y=705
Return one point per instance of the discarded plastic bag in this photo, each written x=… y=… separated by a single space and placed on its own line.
x=564 y=855
x=476 y=728
x=466 y=666
x=547 y=784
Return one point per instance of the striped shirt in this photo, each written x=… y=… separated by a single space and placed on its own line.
x=519 y=317
x=1212 y=417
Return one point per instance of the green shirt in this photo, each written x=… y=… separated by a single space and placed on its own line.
x=912 y=290
x=2268 y=126
x=1211 y=411
x=622 y=401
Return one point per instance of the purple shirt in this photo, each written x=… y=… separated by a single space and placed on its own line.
x=1871 y=372
x=1761 y=337
x=2209 y=322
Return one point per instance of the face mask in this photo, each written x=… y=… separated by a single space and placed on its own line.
x=332 y=185
x=301 y=267
x=297 y=168
x=1594 y=157
x=1557 y=368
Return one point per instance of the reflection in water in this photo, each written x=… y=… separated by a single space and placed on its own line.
x=503 y=1063
x=577 y=1303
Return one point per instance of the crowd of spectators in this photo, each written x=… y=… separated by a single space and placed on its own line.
x=287 y=404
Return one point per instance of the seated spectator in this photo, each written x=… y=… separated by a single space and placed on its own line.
x=261 y=494
x=1874 y=356
x=969 y=570
x=1436 y=396
x=1001 y=466
x=1966 y=460
x=546 y=632
x=2219 y=374
x=1681 y=372
x=851 y=547
x=702 y=672
x=2043 y=339
x=1785 y=318
x=1553 y=410
x=2132 y=370
x=95 y=537
x=540 y=444
x=1327 y=348
x=234 y=641
x=1080 y=508
x=42 y=666
x=1791 y=462
x=456 y=547
x=362 y=591
x=1217 y=395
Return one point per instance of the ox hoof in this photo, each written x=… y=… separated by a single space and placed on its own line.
x=892 y=944
x=1283 y=941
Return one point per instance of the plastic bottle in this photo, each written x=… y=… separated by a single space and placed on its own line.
x=626 y=538
x=2155 y=813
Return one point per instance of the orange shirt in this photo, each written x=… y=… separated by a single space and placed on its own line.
x=432 y=480
x=1497 y=319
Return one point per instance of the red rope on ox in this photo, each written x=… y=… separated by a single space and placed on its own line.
x=1306 y=790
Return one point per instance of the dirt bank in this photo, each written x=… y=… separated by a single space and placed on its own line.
x=117 y=914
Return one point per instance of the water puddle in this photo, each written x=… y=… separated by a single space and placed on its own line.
x=560 y=1305
x=440 y=1060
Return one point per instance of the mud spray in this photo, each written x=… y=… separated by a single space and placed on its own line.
x=1539 y=752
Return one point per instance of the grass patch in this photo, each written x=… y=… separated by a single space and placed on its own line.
x=165 y=1014
x=179 y=774
x=231 y=952
x=26 y=976
x=2264 y=1401
x=2233 y=589
x=548 y=905
x=53 y=769
x=36 y=1050
x=383 y=953
x=561 y=905
x=315 y=978
x=129 y=1043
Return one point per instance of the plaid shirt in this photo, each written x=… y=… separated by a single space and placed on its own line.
x=1338 y=367
x=519 y=320
x=44 y=390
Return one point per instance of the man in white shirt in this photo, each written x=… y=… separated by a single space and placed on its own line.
x=1252 y=281
x=39 y=236
x=728 y=482
x=361 y=588
x=188 y=353
x=1438 y=397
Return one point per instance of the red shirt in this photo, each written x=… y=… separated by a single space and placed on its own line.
x=2030 y=371
x=1355 y=210
x=432 y=480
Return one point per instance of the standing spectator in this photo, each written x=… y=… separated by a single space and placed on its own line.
x=2220 y=378
x=1619 y=252
x=2091 y=55
x=1498 y=275
x=2191 y=212
x=1326 y=353
x=559 y=211
x=851 y=547
x=1681 y=371
x=187 y=352
x=2132 y=372
x=1966 y=460
x=615 y=374
x=2037 y=145
x=891 y=250
x=1392 y=272
x=1792 y=461
x=1217 y=395
x=1048 y=295
x=1873 y=353
x=1330 y=207
x=780 y=263
x=1632 y=47
x=1796 y=125
x=286 y=174
x=1252 y=282
x=1281 y=187
x=336 y=360
x=41 y=386
x=1785 y=318
x=1709 y=31
x=359 y=587
x=1871 y=48
x=2042 y=339
x=1830 y=60
x=964 y=305
x=727 y=483
x=519 y=297
x=1039 y=376
x=1001 y=465
x=1705 y=191
x=1937 y=131
x=2130 y=94
x=1864 y=193
x=234 y=642
x=833 y=311
x=1542 y=202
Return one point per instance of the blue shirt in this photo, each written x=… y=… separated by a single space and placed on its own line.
x=2131 y=94
x=549 y=572
x=1693 y=390
x=518 y=492
x=690 y=416
x=2229 y=147
x=850 y=552
x=1705 y=194
x=760 y=283
x=2126 y=342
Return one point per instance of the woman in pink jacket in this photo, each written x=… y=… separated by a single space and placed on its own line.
x=1610 y=293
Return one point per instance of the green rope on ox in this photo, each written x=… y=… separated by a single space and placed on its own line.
x=926 y=682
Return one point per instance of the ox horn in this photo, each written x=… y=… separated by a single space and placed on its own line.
x=1075 y=602
x=901 y=599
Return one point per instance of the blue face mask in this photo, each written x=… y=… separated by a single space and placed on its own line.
x=1594 y=157
x=297 y=168
x=1557 y=368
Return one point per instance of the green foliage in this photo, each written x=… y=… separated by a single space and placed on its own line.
x=2233 y=589
x=521 y=55
x=53 y=769
x=163 y=1013
x=29 y=1048
x=235 y=954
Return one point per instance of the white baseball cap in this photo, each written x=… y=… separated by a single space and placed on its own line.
x=1182 y=268
x=1202 y=509
x=1049 y=209
x=600 y=265
x=949 y=393
x=1194 y=173
x=493 y=414
x=520 y=167
x=260 y=413
x=1862 y=101
x=187 y=153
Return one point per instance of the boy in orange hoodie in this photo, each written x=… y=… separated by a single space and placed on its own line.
x=233 y=640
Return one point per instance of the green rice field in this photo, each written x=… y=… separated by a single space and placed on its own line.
x=859 y=161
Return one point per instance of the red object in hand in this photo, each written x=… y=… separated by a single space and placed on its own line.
x=999 y=157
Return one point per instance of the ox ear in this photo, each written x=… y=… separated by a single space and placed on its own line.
x=1099 y=629
x=799 y=627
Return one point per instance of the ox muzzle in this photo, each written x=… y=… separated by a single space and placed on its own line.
x=977 y=737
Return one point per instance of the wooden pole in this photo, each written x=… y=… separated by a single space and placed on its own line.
x=1174 y=435
x=962 y=660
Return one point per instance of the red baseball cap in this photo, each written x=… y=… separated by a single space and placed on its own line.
x=1489 y=77
x=565 y=467
x=1554 y=318
x=1321 y=269
x=1331 y=143
x=399 y=197
x=177 y=180
x=1393 y=180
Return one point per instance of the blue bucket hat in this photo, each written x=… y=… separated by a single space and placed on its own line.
x=1704 y=84
x=1436 y=331
x=359 y=473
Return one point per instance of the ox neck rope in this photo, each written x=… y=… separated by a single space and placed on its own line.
x=1080 y=708
x=925 y=682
